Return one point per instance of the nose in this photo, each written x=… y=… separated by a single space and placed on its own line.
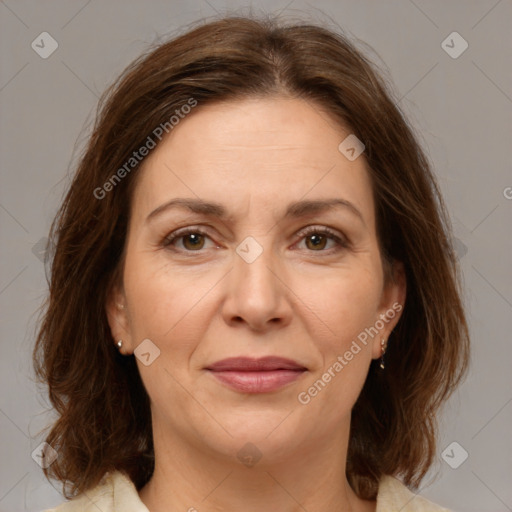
x=257 y=294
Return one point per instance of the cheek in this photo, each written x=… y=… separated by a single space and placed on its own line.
x=345 y=304
x=345 y=308
x=164 y=303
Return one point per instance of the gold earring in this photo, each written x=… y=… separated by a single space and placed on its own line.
x=383 y=348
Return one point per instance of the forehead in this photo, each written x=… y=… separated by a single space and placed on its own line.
x=266 y=152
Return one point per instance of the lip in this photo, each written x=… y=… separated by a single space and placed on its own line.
x=263 y=375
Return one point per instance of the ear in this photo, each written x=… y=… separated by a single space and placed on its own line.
x=119 y=319
x=391 y=306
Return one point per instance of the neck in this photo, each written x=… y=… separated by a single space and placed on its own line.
x=189 y=477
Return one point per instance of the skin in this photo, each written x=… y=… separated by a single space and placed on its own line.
x=199 y=302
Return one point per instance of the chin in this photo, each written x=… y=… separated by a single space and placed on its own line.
x=273 y=434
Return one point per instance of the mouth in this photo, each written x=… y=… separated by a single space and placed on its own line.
x=248 y=375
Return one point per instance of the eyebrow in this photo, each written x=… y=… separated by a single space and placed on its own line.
x=294 y=210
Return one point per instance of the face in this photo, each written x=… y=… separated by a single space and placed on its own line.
x=275 y=276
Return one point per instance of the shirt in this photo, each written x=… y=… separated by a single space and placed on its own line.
x=117 y=493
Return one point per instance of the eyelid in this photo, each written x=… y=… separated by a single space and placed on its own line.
x=319 y=228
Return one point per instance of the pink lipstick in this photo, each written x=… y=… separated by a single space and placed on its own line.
x=249 y=375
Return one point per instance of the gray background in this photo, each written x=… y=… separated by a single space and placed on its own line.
x=461 y=107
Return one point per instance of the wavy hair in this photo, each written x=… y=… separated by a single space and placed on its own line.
x=104 y=420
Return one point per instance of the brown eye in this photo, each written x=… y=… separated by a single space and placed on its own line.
x=188 y=240
x=317 y=241
x=193 y=241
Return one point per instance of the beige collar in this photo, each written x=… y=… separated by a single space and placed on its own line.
x=117 y=493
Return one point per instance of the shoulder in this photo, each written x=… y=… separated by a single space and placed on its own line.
x=115 y=492
x=393 y=495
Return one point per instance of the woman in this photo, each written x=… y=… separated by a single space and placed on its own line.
x=254 y=302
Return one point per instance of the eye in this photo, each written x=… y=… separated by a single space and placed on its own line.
x=193 y=239
x=316 y=239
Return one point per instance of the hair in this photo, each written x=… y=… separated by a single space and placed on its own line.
x=104 y=417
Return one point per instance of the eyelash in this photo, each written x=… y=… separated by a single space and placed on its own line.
x=325 y=231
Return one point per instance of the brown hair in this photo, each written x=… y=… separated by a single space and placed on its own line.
x=104 y=421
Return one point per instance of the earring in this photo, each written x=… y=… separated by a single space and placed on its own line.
x=383 y=347
x=120 y=306
x=120 y=343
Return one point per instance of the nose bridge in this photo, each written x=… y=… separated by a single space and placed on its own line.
x=256 y=293
x=253 y=263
